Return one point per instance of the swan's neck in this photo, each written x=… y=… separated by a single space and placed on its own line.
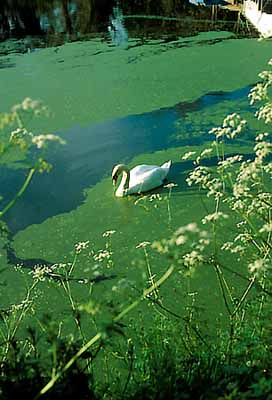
x=124 y=184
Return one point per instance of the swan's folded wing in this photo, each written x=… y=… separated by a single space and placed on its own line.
x=146 y=177
x=139 y=171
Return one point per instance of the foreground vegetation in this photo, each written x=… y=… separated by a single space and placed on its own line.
x=114 y=351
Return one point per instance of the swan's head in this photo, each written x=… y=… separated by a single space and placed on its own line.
x=117 y=170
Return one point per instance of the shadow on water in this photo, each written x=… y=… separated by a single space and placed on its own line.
x=212 y=98
x=90 y=154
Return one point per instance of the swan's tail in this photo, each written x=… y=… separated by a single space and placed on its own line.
x=167 y=165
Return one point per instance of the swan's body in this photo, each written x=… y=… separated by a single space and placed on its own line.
x=139 y=179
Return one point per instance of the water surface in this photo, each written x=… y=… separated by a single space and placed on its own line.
x=144 y=103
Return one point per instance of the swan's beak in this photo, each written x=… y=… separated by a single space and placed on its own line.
x=114 y=180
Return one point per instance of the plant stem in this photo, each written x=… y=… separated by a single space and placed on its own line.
x=251 y=283
x=151 y=276
x=169 y=209
x=98 y=336
x=18 y=194
x=13 y=330
x=221 y=281
x=231 y=337
x=73 y=264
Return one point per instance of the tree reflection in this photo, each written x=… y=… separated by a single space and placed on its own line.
x=80 y=17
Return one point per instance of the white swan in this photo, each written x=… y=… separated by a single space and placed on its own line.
x=139 y=179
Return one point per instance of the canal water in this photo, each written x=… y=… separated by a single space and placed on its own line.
x=118 y=98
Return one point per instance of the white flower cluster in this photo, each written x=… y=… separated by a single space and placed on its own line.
x=142 y=200
x=229 y=161
x=170 y=185
x=102 y=255
x=241 y=184
x=193 y=242
x=258 y=267
x=40 y=272
x=235 y=249
x=265 y=113
x=261 y=92
x=249 y=179
x=244 y=238
x=81 y=246
x=142 y=245
x=181 y=235
x=266 y=76
x=108 y=233
x=21 y=137
x=192 y=259
x=204 y=153
x=232 y=125
x=155 y=196
x=214 y=217
x=258 y=93
x=247 y=174
x=191 y=227
x=20 y=306
x=261 y=136
x=262 y=150
x=187 y=246
x=41 y=140
x=266 y=228
x=188 y=155
x=18 y=133
x=201 y=176
x=161 y=246
x=28 y=104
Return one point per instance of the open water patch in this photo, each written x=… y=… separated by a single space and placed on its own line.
x=91 y=152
